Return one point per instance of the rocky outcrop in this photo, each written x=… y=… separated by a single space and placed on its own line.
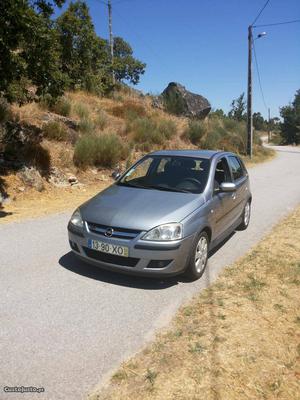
x=177 y=100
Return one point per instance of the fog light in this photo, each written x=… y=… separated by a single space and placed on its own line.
x=158 y=263
x=74 y=246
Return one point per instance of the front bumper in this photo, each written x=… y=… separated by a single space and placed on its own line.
x=145 y=257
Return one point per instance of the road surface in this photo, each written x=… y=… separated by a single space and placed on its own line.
x=65 y=325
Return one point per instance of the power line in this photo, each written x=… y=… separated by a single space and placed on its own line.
x=259 y=79
x=259 y=14
x=277 y=23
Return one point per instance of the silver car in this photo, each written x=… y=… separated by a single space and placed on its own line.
x=164 y=214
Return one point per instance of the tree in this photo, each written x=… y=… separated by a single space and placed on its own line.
x=238 y=108
x=290 y=127
x=28 y=49
x=83 y=54
x=125 y=66
x=259 y=122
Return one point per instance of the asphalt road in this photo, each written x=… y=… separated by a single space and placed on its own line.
x=65 y=325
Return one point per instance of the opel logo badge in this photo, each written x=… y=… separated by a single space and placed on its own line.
x=109 y=232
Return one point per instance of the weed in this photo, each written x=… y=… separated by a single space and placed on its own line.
x=195 y=131
x=101 y=120
x=54 y=130
x=62 y=107
x=105 y=150
x=129 y=110
x=86 y=125
x=167 y=128
x=197 y=348
x=151 y=376
x=81 y=110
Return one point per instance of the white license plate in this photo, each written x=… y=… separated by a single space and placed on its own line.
x=108 y=248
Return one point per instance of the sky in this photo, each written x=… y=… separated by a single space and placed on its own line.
x=202 y=44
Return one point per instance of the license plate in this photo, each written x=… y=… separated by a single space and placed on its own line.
x=108 y=248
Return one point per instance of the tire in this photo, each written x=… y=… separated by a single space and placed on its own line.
x=196 y=267
x=245 y=217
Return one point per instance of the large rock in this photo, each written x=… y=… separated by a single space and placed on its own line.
x=31 y=177
x=180 y=101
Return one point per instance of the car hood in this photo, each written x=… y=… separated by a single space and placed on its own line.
x=140 y=209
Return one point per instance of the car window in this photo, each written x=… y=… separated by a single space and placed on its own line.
x=222 y=173
x=236 y=168
x=175 y=173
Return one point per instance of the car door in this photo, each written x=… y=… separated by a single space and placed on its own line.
x=221 y=202
x=240 y=178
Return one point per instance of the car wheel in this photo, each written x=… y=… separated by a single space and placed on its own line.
x=199 y=256
x=245 y=217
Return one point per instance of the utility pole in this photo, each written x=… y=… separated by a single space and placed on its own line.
x=111 y=39
x=249 y=95
x=269 y=126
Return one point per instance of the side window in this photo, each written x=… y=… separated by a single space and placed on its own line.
x=236 y=168
x=222 y=173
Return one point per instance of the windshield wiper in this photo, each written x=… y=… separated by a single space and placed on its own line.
x=168 y=189
x=133 y=185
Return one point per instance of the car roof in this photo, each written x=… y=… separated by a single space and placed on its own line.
x=208 y=154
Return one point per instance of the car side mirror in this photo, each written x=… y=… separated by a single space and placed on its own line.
x=227 y=187
x=116 y=174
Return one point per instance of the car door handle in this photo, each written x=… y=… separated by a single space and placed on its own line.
x=233 y=196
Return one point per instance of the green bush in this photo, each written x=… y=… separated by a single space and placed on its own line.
x=81 y=110
x=54 y=130
x=195 y=131
x=86 y=125
x=101 y=120
x=212 y=140
x=105 y=150
x=145 y=131
x=167 y=128
x=62 y=107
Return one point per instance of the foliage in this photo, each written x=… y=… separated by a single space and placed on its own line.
x=5 y=111
x=62 y=106
x=218 y=113
x=125 y=66
x=238 y=108
x=55 y=130
x=195 y=131
x=174 y=103
x=167 y=128
x=86 y=125
x=40 y=56
x=105 y=150
x=259 y=122
x=101 y=120
x=28 y=50
x=290 y=127
x=129 y=109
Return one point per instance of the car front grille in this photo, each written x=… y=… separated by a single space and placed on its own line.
x=110 y=258
x=118 y=233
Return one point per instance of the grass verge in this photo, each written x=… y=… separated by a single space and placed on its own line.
x=238 y=339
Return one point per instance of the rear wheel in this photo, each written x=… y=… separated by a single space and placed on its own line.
x=245 y=217
x=199 y=256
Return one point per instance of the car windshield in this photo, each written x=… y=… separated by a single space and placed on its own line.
x=169 y=173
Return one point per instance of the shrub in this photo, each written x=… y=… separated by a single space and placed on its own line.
x=101 y=120
x=5 y=112
x=212 y=140
x=54 y=130
x=145 y=131
x=167 y=128
x=62 y=107
x=195 y=131
x=81 y=110
x=129 y=110
x=86 y=125
x=105 y=150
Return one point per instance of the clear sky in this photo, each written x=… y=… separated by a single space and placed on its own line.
x=203 y=45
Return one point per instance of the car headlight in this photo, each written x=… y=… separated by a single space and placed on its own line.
x=164 y=232
x=76 y=219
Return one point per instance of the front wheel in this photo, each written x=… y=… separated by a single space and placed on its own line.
x=199 y=256
x=245 y=217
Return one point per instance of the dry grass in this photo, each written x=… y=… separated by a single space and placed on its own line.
x=239 y=339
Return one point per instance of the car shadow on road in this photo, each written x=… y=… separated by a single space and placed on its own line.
x=70 y=262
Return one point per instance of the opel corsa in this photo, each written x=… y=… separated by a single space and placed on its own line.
x=164 y=214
